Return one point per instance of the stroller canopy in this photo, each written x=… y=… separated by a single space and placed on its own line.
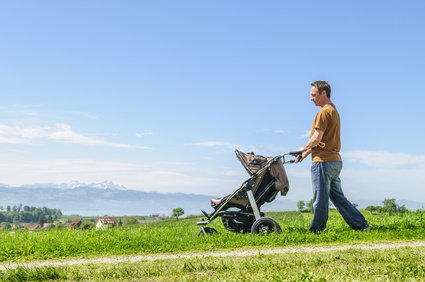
x=253 y=163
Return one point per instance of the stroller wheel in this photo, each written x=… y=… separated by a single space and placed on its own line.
x=265 y=225
x=207 y=231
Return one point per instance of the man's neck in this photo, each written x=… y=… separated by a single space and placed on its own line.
x=328 y=101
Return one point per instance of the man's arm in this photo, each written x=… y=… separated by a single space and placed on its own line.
x=313 y=142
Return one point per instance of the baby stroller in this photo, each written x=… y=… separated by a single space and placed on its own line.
x=240 y=211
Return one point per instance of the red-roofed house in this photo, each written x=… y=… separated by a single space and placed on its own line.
x=76 y=223
x=106 y=222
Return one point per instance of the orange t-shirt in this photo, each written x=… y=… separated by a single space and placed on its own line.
x=327 y=120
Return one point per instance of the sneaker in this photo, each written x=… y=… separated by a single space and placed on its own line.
x=367 y=229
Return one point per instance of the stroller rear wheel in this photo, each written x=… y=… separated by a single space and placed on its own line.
x=265 y=225
x=207 y=231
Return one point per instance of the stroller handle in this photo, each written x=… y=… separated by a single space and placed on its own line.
x=296 y=153
x=292 y=154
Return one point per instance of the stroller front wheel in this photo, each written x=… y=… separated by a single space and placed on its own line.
x=207 y=231
x=265 y=226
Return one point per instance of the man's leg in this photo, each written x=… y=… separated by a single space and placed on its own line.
x=349 y=212
x=321 y=187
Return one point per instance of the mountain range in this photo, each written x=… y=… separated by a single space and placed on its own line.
x=98 y=199
x=108 y=198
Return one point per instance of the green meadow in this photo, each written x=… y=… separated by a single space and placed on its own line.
x=181 y=236
x=405 y=264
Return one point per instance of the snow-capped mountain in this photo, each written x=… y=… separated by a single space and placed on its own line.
x=100 y=198
x=104 y=185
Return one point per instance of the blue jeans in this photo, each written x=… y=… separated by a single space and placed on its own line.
x=327 y=185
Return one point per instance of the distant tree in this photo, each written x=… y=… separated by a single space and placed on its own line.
x=355 y=205
x=310 y=205
x=402 y=209
x=390 y=206
x=178 y=212
x=130 y=220
x=15 y=217
x=374 y=209
x=41 y=220
x=301 y=206
x=26 y=216
x=8 y=209
x=87 y=225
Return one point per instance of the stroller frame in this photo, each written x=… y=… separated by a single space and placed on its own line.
x=261 y=224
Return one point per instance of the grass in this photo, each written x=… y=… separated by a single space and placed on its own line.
x=405 y=264
x=173 y=236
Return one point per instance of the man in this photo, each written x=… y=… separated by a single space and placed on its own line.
x=324 y=145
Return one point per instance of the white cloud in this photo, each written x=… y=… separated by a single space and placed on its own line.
x=381 y=183
x=147 y=177
x=384 y=158
x=87 y=115
x=64 y=133
x=384 y=174
x=305 y=135
x=297 y=172
x=60 y=133
x=224 y=146
x=19 y=135
x=210 y=144
x=232 y=173
x=279 y=131
x=13 y=140
x=144 y=134
x=369 y=175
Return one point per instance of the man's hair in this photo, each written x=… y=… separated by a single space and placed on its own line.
x=322 y=85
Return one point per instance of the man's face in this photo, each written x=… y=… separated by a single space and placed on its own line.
x=319 y=99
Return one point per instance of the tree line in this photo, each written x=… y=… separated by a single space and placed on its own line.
x=29 y=214
x=389 y=206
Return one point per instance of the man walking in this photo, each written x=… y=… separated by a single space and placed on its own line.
x=324 y=146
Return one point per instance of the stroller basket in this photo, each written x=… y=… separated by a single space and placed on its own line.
x=238 y=221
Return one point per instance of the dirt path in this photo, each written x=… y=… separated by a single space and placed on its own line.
x=236 y=253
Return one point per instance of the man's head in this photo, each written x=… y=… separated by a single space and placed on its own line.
x=320 y=92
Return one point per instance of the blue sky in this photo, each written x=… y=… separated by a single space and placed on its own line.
x=156 y=95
